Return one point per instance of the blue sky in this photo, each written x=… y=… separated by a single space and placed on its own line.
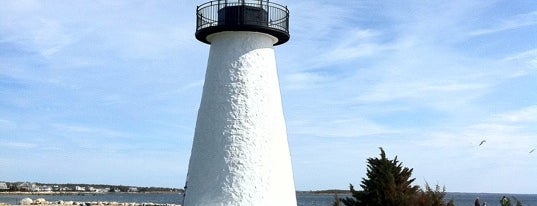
x=108 y=91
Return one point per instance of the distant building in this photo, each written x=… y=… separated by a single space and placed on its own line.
x=80 y=189
x=3 y=186
x=27 y=186
x=133 y=189
x=44 y=189
x=102 y=190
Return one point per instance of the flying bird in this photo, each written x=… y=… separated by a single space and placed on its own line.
x=532 y=150
x=482 y=142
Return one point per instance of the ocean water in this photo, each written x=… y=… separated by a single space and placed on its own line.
x=304 y=199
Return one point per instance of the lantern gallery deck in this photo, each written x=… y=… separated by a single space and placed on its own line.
x=260 y=16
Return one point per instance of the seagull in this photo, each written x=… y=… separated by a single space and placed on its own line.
x=532 y=150
x=482 y=142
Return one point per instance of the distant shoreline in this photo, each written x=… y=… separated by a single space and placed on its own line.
x=83 y=193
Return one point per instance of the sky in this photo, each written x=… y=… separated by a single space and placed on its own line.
x=108 y=91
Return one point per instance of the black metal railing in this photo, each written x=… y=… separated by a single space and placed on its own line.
x=277 y=16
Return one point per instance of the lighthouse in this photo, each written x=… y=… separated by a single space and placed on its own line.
x=240 y=154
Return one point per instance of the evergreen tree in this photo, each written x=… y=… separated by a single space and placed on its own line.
x=430 y=197
x=388 y=183
x=357 y=196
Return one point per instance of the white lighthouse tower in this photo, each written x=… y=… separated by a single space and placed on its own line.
x=240 y=155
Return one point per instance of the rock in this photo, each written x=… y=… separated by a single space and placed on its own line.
x=26 y=201
x=40 y=201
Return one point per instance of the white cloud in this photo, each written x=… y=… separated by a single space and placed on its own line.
x=85 y=131
x=417 y=91
x=336 y=127
x=527 y=61
x=302 y=81
x=353 y=44
x=50 y=38
x=524 y=117
x=514 y=22
x=6 y=124
x=18 y=145
x=511 y=131
x=23 y=5
x=308 y=25
x=33 y=32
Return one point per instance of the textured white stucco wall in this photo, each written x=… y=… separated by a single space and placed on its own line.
x=240 y=155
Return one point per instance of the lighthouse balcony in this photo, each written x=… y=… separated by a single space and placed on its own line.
x=258 y=16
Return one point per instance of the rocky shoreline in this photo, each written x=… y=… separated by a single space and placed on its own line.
x=42 y=201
